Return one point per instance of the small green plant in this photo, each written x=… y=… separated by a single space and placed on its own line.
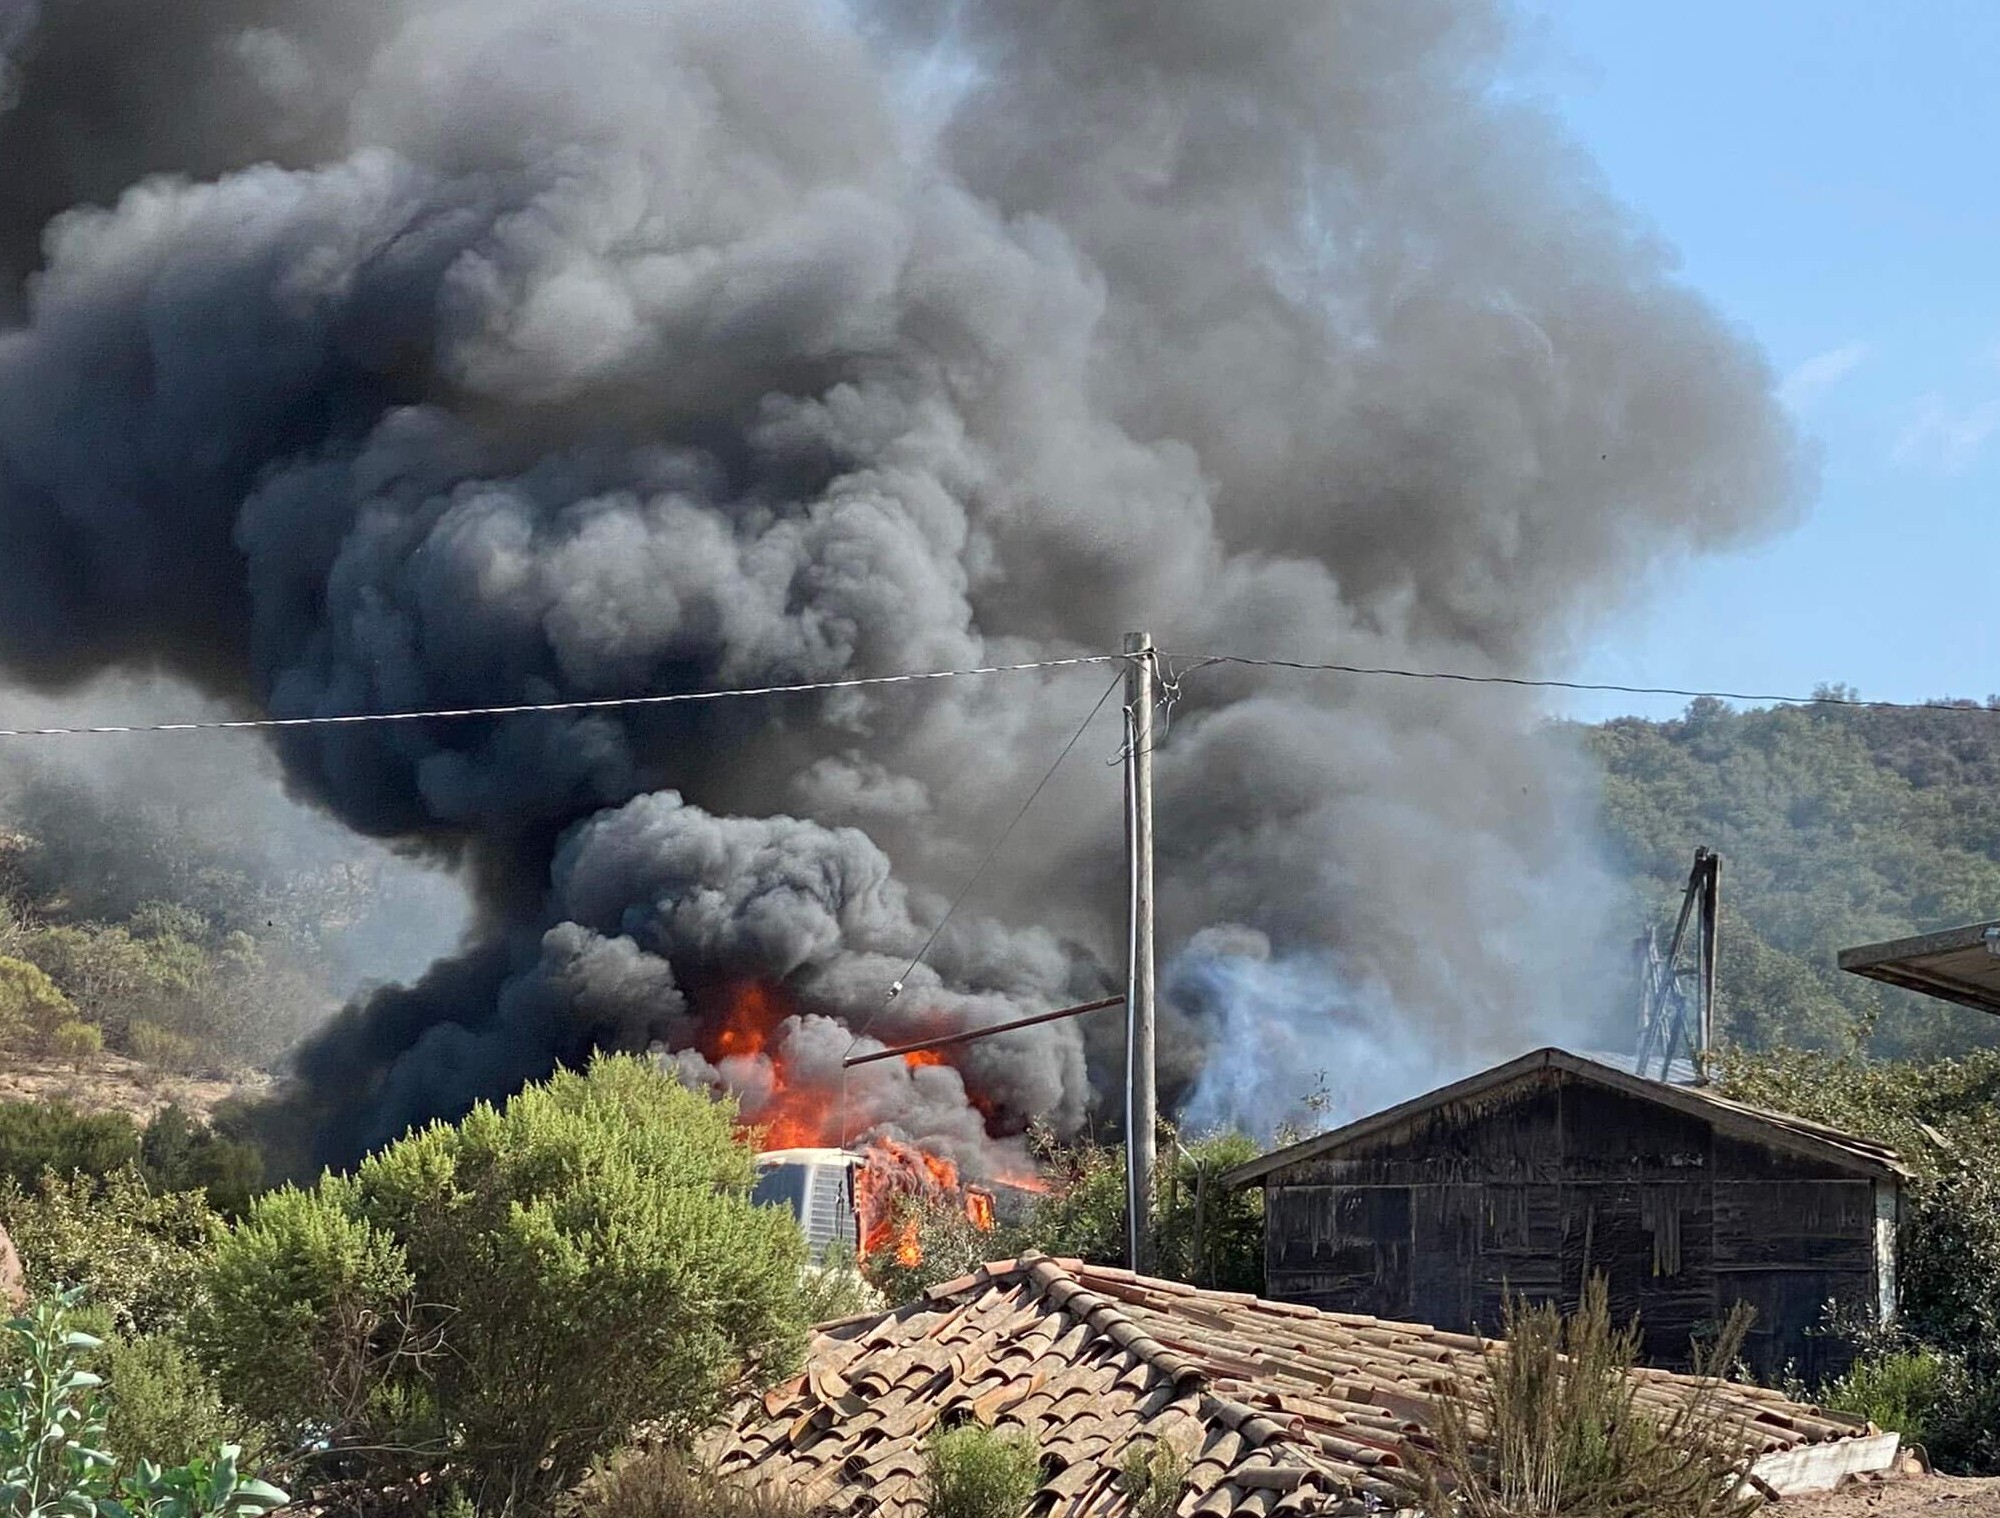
x=660 y=1483
x=31 y=1005
x=1556 y=1428
x=201 y=1487
x=1155 y=1473
x=177 y=1153
x=53 y=1460
x=976 y=1472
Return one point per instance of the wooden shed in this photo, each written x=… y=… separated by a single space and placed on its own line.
x=1538 y=1173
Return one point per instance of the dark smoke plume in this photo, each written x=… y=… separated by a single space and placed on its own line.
x=376 y=354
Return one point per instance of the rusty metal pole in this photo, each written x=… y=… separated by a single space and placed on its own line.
x=1141 y=1115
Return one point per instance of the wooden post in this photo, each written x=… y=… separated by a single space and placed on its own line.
x=1140 y=1095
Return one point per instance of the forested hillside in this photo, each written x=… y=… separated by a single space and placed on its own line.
x=183 y=914
x=1838 y=826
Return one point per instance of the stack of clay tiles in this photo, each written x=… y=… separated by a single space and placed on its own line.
x=1279 y=1409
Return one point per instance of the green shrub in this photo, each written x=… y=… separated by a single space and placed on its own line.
x=1555 y=1429
x=302 y=1313
x=1155 y=1473
x=54 y=1434
x=660 y=1483
x=1940 y=1115
x=150 y=1044
x=1901 y=1390
x=38 y=1136
x=31 y=1005
x=180 y=1154
x=140 y=1255
x=1201 y=1233
x=582 y=1260
x=75 y=1042
x=160 y=1402
x=975 y=1472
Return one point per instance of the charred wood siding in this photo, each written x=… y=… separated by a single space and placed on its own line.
x=1534 y=1188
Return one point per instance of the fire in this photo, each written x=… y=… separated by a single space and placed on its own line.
x=789 y=1114
x=894 y=1173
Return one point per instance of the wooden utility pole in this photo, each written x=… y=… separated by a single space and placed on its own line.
x=1140 y=1094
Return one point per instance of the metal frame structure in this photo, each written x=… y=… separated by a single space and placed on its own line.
x=1677 y=1004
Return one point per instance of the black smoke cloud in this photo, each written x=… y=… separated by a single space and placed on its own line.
x=383 y=355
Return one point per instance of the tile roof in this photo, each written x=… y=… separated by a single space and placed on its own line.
x=1281 y=1409
x=1777 y=1129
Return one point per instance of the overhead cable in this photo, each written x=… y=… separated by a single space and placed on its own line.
x=1580 y=685
x=1195 y=663
x=610 y=703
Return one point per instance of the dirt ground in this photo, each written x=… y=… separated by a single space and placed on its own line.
x=1915 y=1497
x=111 y=1083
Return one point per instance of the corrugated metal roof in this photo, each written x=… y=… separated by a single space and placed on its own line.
x=1278 y=1409
x=1960 y=964
x=1778 y=1129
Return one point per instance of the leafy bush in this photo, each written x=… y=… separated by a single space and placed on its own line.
x=600 y=1219
x=660 y=1483
x=1943 y=1117
x=302 y=1318
x=153 y=1045
x=1556 y=1428
x=31 y=1005
x=1155 y=1474
x=159 y=1400
x=975 y=1472
x=76 y=1043
x=140 y=1254
x=1201 y=1233
x=174 y=1152
x=39 y=1136
x=53 y=1433
x=178 y=1154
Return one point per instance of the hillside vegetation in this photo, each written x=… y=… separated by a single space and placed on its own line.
x=1838 y=826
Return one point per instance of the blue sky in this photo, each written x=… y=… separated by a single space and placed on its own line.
x=1830 y=172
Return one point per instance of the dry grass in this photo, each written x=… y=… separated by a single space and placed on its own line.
x=661 y=1483
x=1556 y=1430
x=112 y=1083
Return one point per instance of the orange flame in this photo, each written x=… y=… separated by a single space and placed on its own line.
x=797 y=1116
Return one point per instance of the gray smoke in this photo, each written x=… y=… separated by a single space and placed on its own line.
x=381 y=354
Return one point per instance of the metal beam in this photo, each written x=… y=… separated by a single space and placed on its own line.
x=967 y=1035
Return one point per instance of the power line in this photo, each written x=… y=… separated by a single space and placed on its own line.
x=992 y=853
x=1196 y=663
x=614 y=703
x=1581 y=685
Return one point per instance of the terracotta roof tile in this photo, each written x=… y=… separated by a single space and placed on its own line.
x=1280 y=1409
